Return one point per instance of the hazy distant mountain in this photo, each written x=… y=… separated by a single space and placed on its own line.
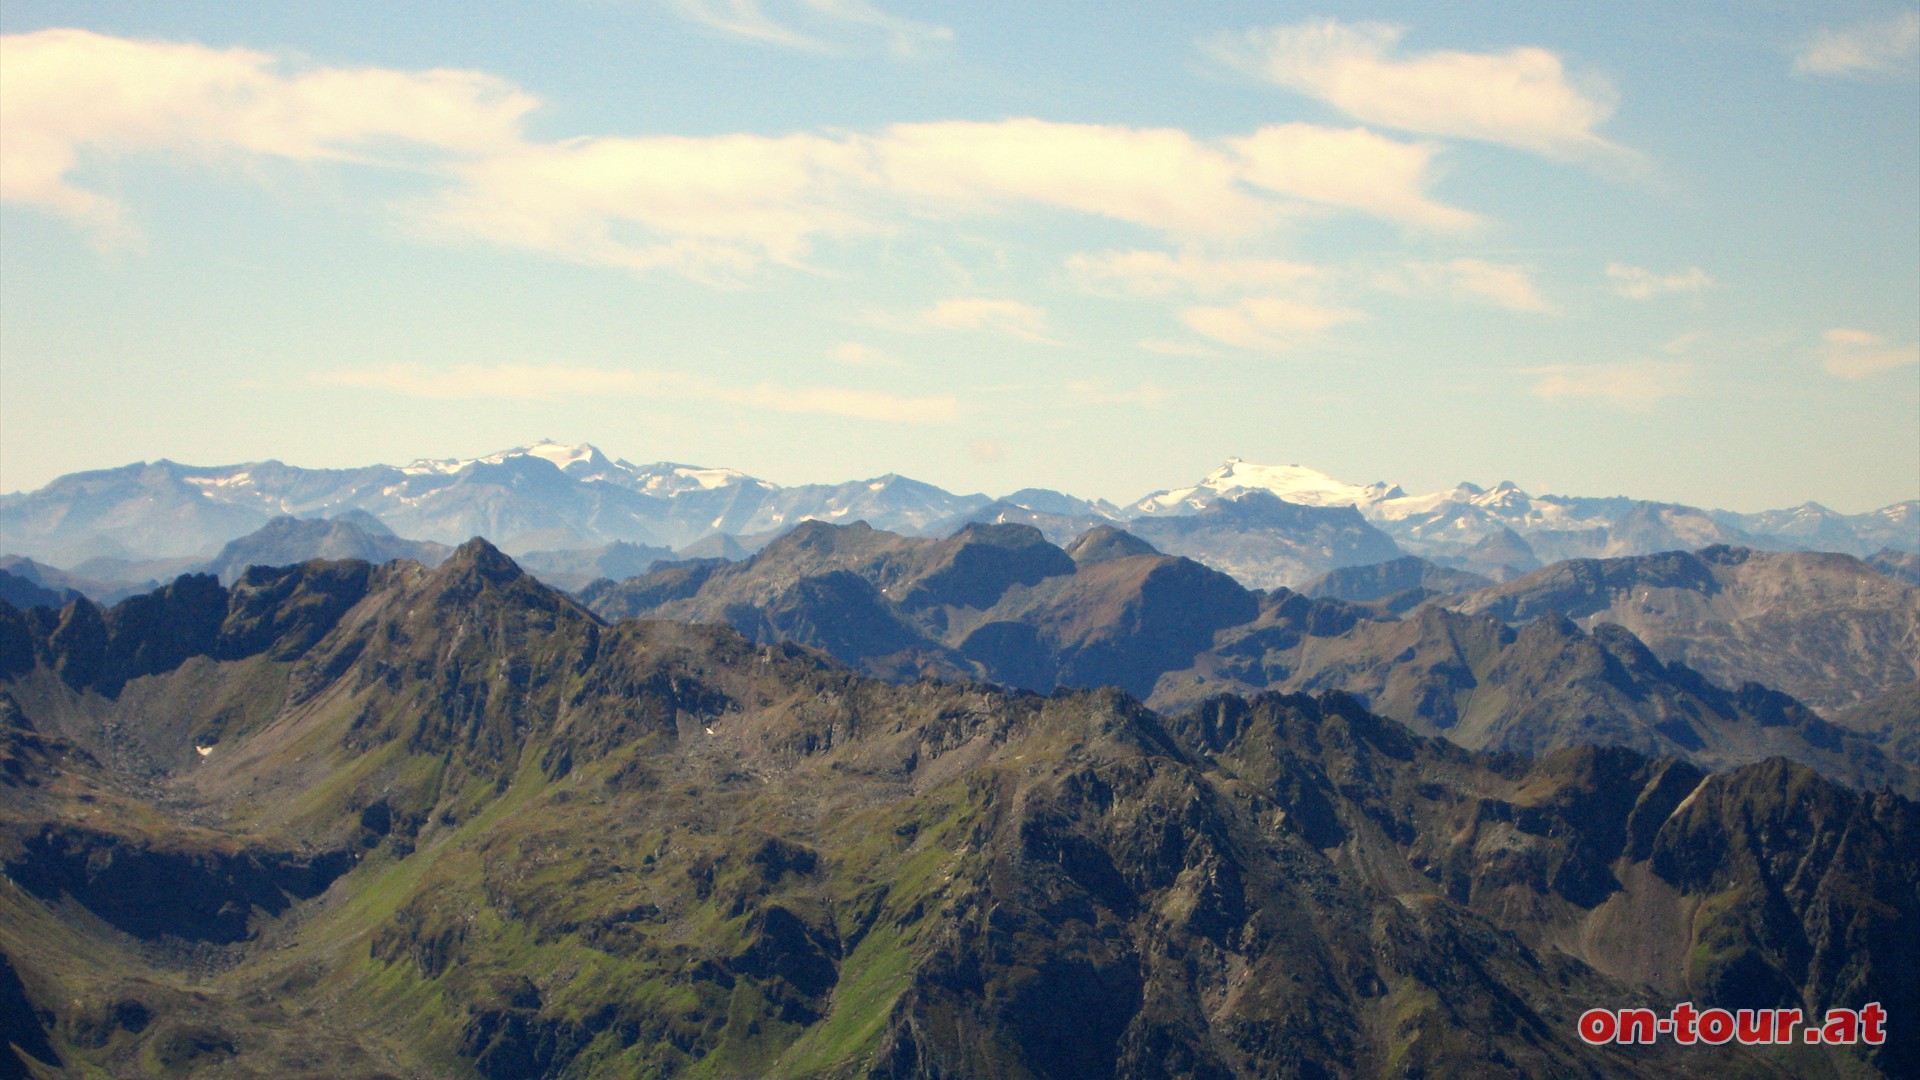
x=1899 y=565
x=285 y=541
x=574 y=569
x=112 y=590
x=1393 y=586
x=1265 y=542
x=553 y=497
x=23 y=593
x=1827 y=628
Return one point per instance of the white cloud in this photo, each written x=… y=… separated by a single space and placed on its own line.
x=1523 y=97
x=982 y=313
x=1162 y=273
x=860 y=354
x=69 y=94
x=1265 y=323
x=1633 y=384
x=709 y=206
x=1860 y=354
x=1887 y=47
x=540 y=382
x=1354 y=169
x=1161 y=178
x=1506 y=285
x=838 y=22
x=715 y=207
x=1639 y=283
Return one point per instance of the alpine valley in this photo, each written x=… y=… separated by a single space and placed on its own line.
x=546 y=764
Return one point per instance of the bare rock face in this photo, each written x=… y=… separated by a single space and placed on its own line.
x=1829 y=629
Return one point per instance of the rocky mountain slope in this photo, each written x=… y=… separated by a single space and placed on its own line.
x=1828 y=629
x=1000 y=603
x=398 y=821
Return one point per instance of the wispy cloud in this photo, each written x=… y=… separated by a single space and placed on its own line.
x=1163 y=273
x=1860 y=354
x=714 y=207
x=1633 y=384
x=1146 y=395
x=1865 y=50
x=1523 y=97
x=836 y=25
x=1265 y=323
x=1639 y=283
x=860 y=354
x=984 y=313
x=541 y=382
x=1502 y=284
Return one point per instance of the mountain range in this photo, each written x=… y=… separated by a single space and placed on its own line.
x=345 y=819
x=1267 y=525
x=1000 y=603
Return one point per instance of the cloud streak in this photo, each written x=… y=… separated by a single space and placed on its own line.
x=553 y=383
x=1265 y=323
x=1162 y=273
x=1479 y=281
x=1889 y=47
x=1639 y=283
x=1009 y=317
x=1522 y=98
x=1632 y=384
x=1862 y=354
x=839 y=23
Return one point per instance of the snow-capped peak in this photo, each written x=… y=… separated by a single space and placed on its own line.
x=667 y=478
x=563 y=455
x=573 y=460
x=1293 y=483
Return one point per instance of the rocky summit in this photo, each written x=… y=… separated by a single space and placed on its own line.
x=337 y=819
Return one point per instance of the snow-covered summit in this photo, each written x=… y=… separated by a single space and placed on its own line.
x=572 y=460
x=667 y=478
x=1293 y=483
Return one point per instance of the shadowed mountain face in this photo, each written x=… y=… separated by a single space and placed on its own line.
x=453 y=824
x=1394 y=586
x=992 y=601
x=1538 y=688
x=1828 y=629
x=997 y=602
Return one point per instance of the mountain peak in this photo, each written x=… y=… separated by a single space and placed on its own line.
x=578 y=461
x=1292 y=483
x=477 y=558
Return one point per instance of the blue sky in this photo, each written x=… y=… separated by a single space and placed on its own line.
x=1663 y=250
